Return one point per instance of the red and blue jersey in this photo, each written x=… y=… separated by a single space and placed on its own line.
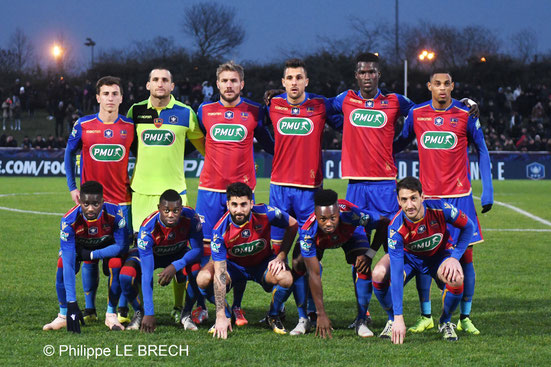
x=443 y=137
x=312 y=238
x=424 y=238
x=158 y=243
x=368 y=133
x=247 y=244
x=229 y=133
x=103 y=236
x=105 y=148
x=298 y=132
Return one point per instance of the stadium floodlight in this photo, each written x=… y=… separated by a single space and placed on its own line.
x=57 y=51
x=427 y=55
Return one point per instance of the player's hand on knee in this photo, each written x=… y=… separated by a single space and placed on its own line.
x=451 y=271
x=363 y=263
x=74 y=317
x=166 y=275
x=149 y=324
x=276 y=266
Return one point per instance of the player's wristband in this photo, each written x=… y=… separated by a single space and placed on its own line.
x=370 y=253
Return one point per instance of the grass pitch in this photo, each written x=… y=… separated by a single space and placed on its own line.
x=512 y=304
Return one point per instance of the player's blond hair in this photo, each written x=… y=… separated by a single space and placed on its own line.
x=231 y=66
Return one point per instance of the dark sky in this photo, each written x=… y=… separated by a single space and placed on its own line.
x=274 y=29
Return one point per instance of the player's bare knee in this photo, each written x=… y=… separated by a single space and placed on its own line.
x=204 y=278
x=285 y=279
x=379 y=273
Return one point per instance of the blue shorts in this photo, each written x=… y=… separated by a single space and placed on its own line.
x=210 y=206
x=414 y=265
x=256 y=273
x=297 y=202
x=466 y=205
x=379 y=196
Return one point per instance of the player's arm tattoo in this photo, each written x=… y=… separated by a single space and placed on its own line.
x=220 y=286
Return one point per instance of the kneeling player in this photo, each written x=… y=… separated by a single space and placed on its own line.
x=89 y=231
x=418 y=242
x=241 y=250
x=333 y=225
x=163 y=243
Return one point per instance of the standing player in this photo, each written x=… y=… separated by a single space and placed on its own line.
x=161 y=127
x=333 y=225
x=241 y=251
x=163 y=243
x=444 y=129
x=230 y=126
x=104 y=140
x=418 y=242
x=89 y=231
x=298 y=119
x=370 y=118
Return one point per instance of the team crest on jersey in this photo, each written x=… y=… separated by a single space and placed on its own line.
x=309 y=111
x=214 y=245
x=439 y=121
x=305 y=245
x=433 y=223
x=141 y=244
x=392 y=243
x=295 y=111
x=369 y=104
x=258 y=227
x=92 y=231
x=170 y=236
x=421 y=229
x=105 y=227
x=246 y=233
x=244 y=116
x=63 y=235
x=158 y=122
x=228 y=115
x=384 y=103
x=173 y=119
x=123 y=134
x=454 y=212
x=74 y=133
x=454 y=121
x=108 y=133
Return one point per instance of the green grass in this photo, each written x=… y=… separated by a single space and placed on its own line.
x=512 y=305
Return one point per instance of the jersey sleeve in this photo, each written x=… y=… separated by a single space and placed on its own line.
x=477 y=136
x=334 y=116
x=200 y=119
x=459 y=219
x=365 y=218
x=194 y=131
x=396 y=254
x=120 y=246
x=196 y=242
x=277 y=217
x=307 y=242
x=405 y=103
x=145 y=249
x=406 y=136
x=68 y=256
x=73 y=145
x=218 y=246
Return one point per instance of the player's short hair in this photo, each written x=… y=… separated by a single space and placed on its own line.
x=108 y=80
x=367 y=57
x=231 y=66
x=325 y=198
x=160 y=68
x=91 y=188
x=239 y=189
x=439 y=71
x=170 y=196
x=295 y=63
x=409 y=183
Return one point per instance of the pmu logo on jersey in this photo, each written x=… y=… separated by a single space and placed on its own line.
x=426 y=244
x=158 y=122
x=173 y=119
x=228 y=115
x=295 y=111
x=108 y=133
x=295 y=126
x=169 y=250
x=107 y=152
x=439 y=121
x=249 y=248
x=535 y=171
x=92 y=231
x=438 y=140
x=228 y=132
x=368 y=118
x=158 y=137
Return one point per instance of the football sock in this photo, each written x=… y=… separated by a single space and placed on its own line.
x=115 y=265
x=451 y=296
x=363 y=287
x=129 y=286
x=279 y=296
x=469 y=284
x=238 y=292
x=423 y=282
x=90 y=281
x=178 y=289
x=382 y=293
x=60 y=287
x=300 y=294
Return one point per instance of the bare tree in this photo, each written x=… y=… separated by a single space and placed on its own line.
x=22 y=49
x=214 y=28
x=524 y=45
